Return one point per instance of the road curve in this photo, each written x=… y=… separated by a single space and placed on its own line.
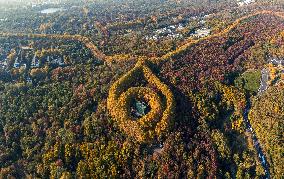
x=97 y=53
x=192 y=42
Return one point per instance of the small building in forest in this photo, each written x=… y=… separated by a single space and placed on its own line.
x=201 y=32
x=35 y=63
x=16 y=63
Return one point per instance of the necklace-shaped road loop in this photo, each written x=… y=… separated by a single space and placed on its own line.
x=159 y=97
x=156 y=123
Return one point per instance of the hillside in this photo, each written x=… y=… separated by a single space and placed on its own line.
x=142 y=89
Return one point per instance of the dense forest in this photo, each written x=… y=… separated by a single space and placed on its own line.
x=142 y=89
x=266 y=117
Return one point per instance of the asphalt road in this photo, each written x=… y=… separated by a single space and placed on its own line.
x=263 y=81
x=263 y=87
x=256 y=143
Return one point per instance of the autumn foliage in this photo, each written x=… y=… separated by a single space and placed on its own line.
x=157 y=121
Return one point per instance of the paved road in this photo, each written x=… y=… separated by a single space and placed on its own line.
x=256 y=144
x=263 y=81
x=263 y=87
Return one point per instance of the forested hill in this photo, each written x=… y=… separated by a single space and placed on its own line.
x=142 y=89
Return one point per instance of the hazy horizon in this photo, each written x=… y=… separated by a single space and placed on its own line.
x=27 y=1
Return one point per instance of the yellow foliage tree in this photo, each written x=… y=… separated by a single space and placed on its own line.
x=157 y=121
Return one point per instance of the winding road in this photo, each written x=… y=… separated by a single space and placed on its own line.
x=190 y=42
x=256 y=143
x=262 y=88
x=263 y=81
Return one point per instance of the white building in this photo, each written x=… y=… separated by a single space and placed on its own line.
x=202 y=32
x=35 y=63
x=245 y=2
x=29 y=80
x=17 y=64
x=3 y=64
x=26 y=48
x=24 y=66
